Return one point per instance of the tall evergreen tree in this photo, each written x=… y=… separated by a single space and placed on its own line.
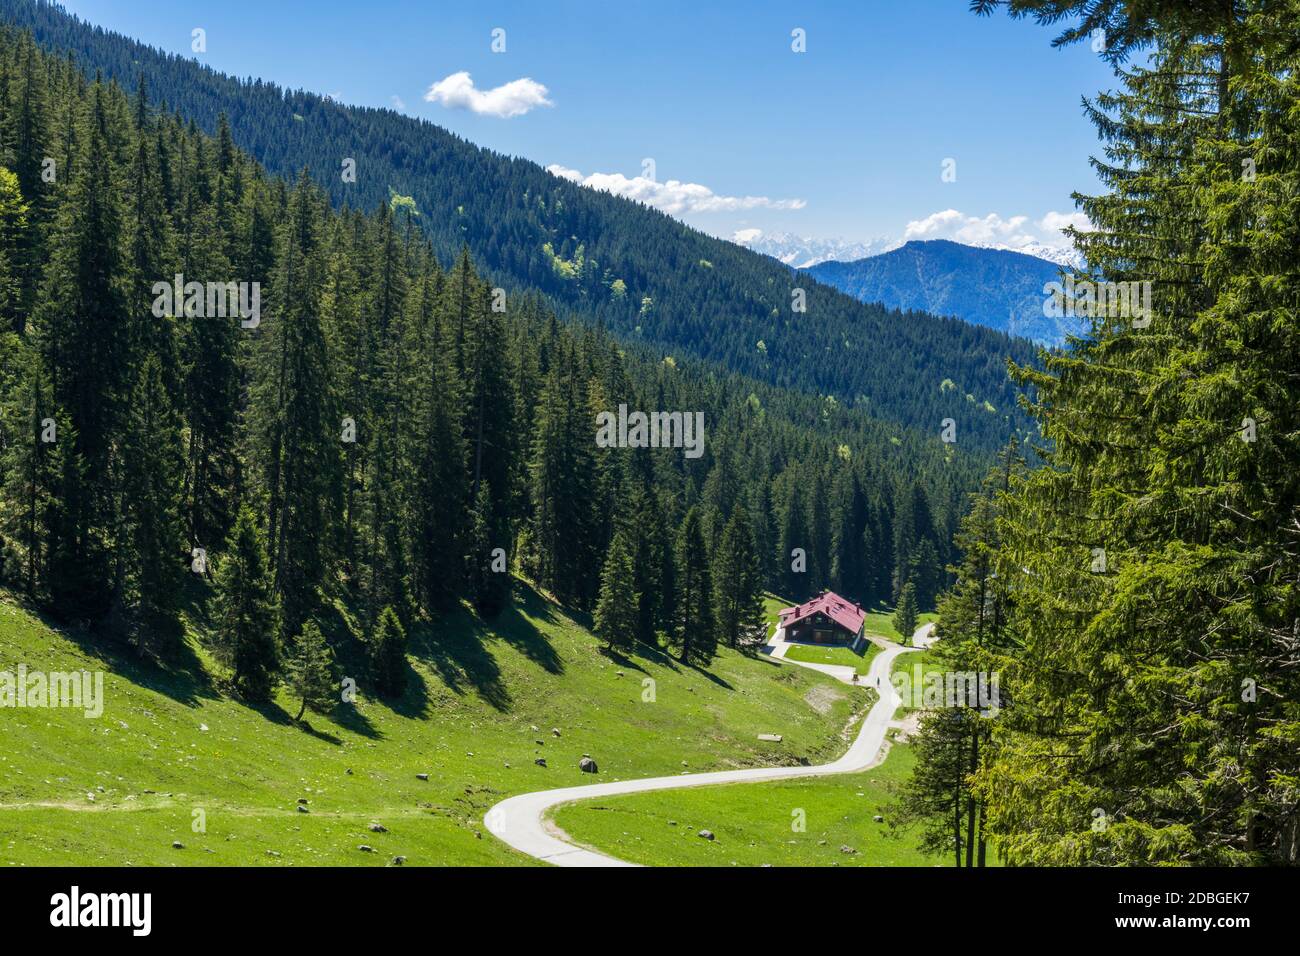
x=1150 y=560
x=737 y=589
x=150 y=551
x=297 y=429
x=905 y=613
x=246 y=610
x=388 y=654
x=615 y=620
x=309 y=671
x=694 y=633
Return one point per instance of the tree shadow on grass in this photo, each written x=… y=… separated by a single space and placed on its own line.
x=177 y=672
x=307 y=728
x=614 y=655
x=350 y=717
x=715 y=678
x=514 y=626
x=452 y=645
x=414 y=702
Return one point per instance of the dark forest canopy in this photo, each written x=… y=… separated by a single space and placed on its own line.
x=386 y=431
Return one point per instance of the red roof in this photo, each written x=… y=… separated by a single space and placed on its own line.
x=840 y=610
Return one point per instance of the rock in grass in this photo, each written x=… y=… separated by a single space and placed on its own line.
x=706 y=834
x=302 y=800
x=177 y=845
x=421 y=776
x=587 y=765
x=878 y=818
x=540 y=761
x=555 y=731
x=845 y=848
x=398 y=860
x=302 y=809
x=366 y=849
x=378 y=828
x=772 y=738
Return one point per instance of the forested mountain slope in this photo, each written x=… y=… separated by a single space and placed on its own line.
x=382 y=438
x=610 y=260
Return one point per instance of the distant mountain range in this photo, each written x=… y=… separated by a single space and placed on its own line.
x=802 y=252
x=995 y=288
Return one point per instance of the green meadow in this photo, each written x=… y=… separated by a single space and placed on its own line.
x=813 y=822
x=175 y=759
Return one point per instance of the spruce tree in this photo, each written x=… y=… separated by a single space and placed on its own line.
x=489 y=585
x=151 y=552
x=388 y=654
x=298 y=431
x=309 y=671
x=1152 y=570
x=694 y=633
x=737 y=590
x=952 y=745
x=246 y=613
x=82 y=311
x=26 y=462
x=615 y=620
x=905 y=613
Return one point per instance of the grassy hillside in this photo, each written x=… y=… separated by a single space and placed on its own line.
x=753 y=824
x=120 y=789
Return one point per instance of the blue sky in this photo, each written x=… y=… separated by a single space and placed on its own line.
x=844 y=140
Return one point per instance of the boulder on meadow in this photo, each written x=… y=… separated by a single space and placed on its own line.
x=706 y=835
x=587 y=765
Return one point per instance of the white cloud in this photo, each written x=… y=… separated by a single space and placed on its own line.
x=996 y=231
x=673 y=197
x=1054 y=222
x=744 y=236
x=398 y=103
x=972 y=230
x=509 y=99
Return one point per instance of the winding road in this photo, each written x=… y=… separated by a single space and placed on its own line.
x=521 y=821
